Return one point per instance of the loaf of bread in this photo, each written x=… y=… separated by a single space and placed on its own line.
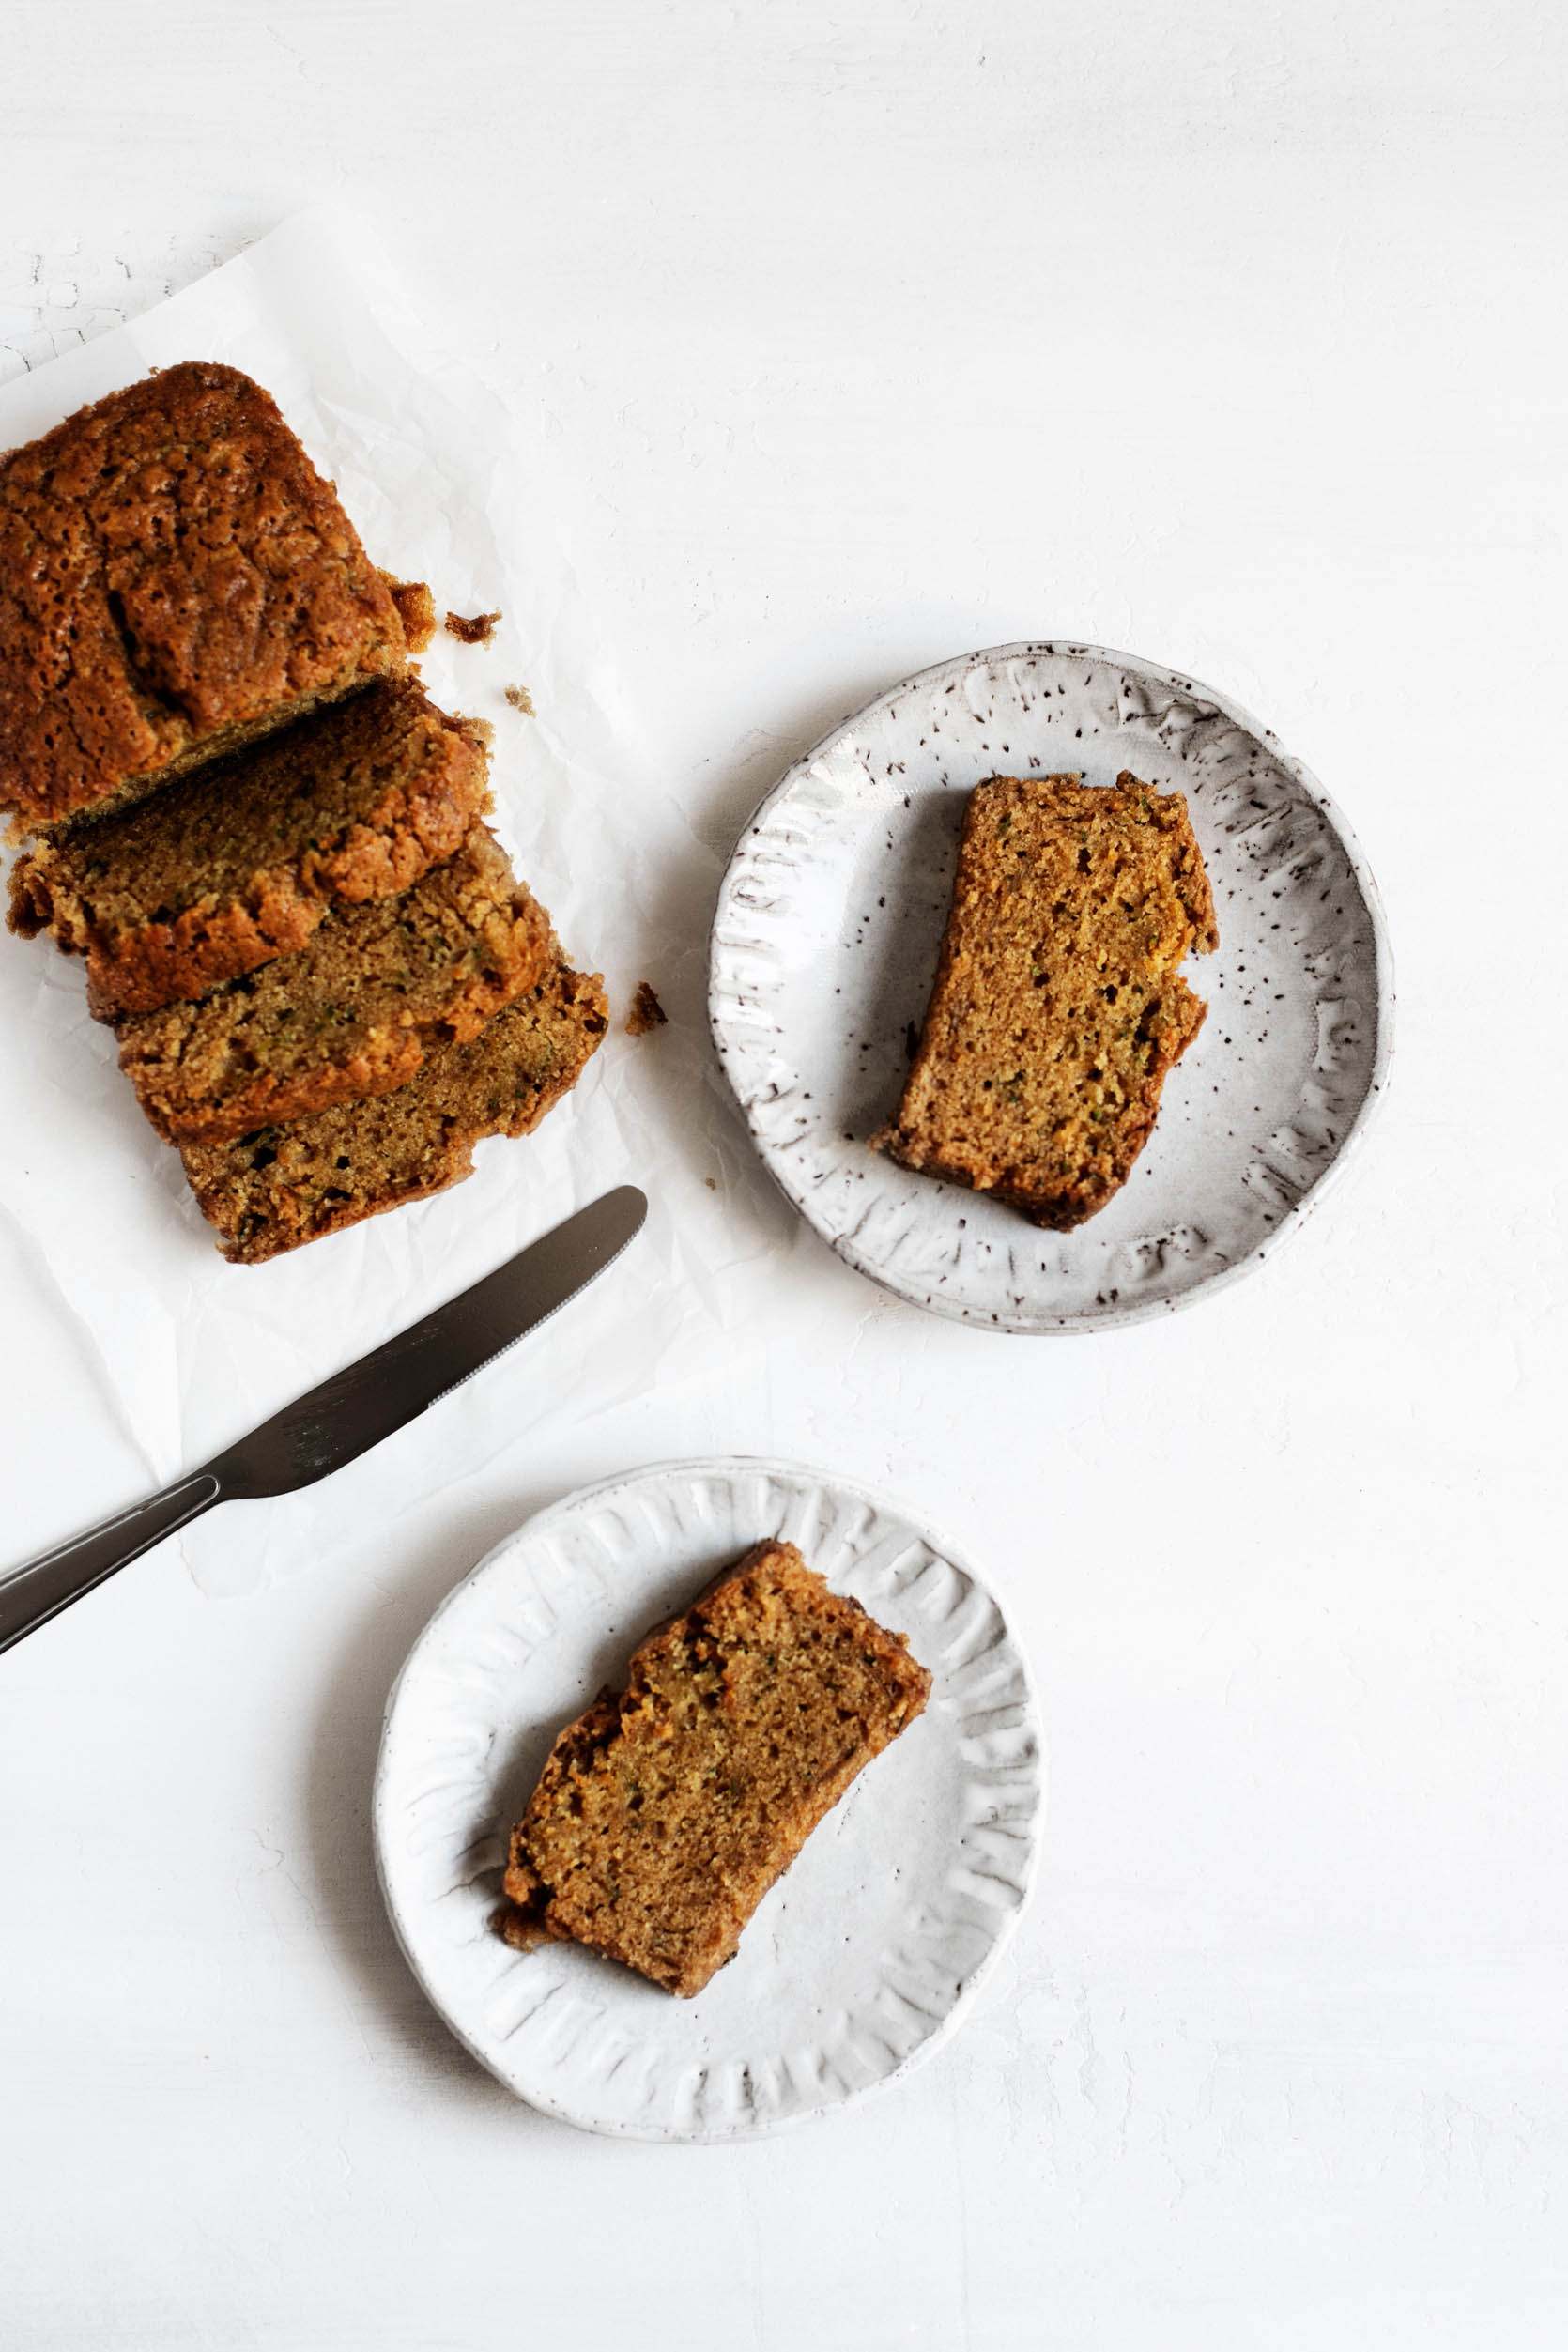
x=238 y=862
x=285 y=1184
x=326 y=982
x=665 y=1812
x=176 y=578
x=351 y=1013
x=1058 y=1006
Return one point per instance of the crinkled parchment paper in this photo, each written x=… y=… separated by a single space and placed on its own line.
x=192 y=1351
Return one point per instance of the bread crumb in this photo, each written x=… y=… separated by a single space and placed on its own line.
x=521 y=700
x=646 y=1013
x=416 y=610
x=479 y=631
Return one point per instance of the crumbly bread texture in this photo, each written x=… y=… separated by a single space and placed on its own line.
x=416 y=610
x=647 y=1012
x=176 y=578
x=238 y=863
x=351 y=1013
x=665 y=1812
x=477 y=629
x=287 y=1185
x=1058 y=1006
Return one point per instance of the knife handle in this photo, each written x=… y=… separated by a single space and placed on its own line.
x=39 y=1590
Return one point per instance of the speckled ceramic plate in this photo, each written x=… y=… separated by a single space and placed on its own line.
x=859 y=1962
x=825 y=947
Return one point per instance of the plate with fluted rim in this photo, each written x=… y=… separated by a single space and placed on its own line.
x=860 y=1962
x=824 y=946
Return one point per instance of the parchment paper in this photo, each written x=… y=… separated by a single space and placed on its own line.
x=192 y=1351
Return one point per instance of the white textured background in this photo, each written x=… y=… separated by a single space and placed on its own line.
x=854 y=337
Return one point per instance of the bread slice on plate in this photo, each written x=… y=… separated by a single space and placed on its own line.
x=666 y=1812
x=1059 y=1005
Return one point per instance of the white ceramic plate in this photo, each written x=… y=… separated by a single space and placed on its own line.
x=825 y=947
x=861 y=1959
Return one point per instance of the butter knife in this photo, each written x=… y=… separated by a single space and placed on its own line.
x=346 y=1415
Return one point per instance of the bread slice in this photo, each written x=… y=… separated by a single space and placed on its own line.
x=1058 y=1006
x=351 y=1013
x=176 y=578
x=238 y=863
x=285 y=1184
x=666 y=1812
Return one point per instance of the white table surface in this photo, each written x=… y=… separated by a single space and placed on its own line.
x=857 y=336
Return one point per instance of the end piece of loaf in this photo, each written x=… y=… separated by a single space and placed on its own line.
x=283 y=1186
x=176 y=578
x=351 y=1013
x=227 y=867
x=1058 y=1006
x=666 y=1812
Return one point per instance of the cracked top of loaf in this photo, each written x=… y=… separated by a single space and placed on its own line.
x=176 y=578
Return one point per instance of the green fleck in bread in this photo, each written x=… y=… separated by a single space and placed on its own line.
x=238 y=863
x=1059 y=1004
x=666 y=1812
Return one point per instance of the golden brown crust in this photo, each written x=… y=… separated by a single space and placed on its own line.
x=665 y=1812
x=1058 y=1006
x=175 y=574
x=351 y=1013
x=283 y=1186
x=215 y=875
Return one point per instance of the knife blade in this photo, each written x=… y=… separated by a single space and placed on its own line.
x=347 y=1414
